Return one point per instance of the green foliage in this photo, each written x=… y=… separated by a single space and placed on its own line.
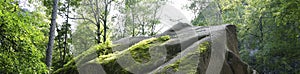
x=208 y=12
x=268 y=32
x=22 y=40
x=61 y=4
x=83 y=38
x=200 y=20
x=140 y=18
x=63 y=41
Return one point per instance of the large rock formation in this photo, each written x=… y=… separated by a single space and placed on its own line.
x=183 y=49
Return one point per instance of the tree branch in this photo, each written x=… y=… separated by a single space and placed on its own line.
x=83 y=19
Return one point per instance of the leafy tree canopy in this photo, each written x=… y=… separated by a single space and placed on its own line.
x=22 y=39
x=268 y=31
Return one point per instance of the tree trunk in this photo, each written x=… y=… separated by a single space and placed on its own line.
x=51 y=34
x=105 y=20
x=133 y=28
x=66 y=34
x=143 y=28
x=154 y=21
x=96 y=18
x=59 y=45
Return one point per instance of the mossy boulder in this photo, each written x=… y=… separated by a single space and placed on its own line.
x=182 y=49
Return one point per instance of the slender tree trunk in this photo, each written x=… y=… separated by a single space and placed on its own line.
x=143 y=28
x=105 y=20
x=261 y=30
x=125 y=25
x=66 y=34
x=98 y=33
x=133 y=25
x=59 y=46
x=97 y=19
x=51 y=34
x=153 y=22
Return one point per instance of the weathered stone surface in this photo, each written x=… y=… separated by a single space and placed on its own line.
x=190 y=49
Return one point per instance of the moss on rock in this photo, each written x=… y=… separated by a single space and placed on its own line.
x=92 y=53
x=187 y=64
x=102 y=54
x=203 y=47
x=139 y=51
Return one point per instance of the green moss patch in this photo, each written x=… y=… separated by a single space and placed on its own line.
x=203 y=47
x=187 y=64
x=102 y=54
x=90 y=54
x=140 y=51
